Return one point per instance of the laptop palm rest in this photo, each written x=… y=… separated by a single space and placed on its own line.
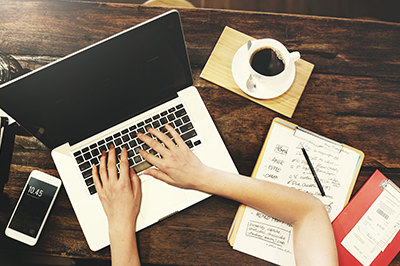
x=158 y=197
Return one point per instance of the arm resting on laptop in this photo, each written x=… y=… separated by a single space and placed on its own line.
x=121 y=199
x=314 y=242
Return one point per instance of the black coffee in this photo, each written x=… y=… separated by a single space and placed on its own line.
x=266 y=62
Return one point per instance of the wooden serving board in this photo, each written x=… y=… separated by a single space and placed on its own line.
x=218 y=70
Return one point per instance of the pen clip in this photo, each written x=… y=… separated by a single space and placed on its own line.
x=3 y=121
x=318 y=140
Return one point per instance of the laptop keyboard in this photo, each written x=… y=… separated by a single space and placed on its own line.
x=176 y=117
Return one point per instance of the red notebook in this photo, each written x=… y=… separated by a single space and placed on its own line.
x=350 y=216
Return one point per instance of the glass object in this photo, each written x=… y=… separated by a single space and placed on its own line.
x=9 y=67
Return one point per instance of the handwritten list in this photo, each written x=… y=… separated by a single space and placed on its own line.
x=283 y=162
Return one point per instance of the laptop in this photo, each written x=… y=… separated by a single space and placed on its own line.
x=104 y=94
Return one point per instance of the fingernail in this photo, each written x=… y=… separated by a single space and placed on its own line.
x=139 y=134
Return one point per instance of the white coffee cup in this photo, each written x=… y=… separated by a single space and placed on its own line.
x=283 y=79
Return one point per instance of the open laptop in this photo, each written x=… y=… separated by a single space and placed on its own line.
x=106 y=93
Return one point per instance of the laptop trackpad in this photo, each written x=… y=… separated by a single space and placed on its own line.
x=158 y=197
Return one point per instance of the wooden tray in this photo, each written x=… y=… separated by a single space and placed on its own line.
x=218 y=70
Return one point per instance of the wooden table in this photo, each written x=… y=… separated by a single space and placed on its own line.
x=353 y=96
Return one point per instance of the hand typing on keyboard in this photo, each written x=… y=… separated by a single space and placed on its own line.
x=314 y=242
x=121 y=197
x=178 y=165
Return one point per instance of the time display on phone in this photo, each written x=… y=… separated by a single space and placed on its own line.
x=33 y=207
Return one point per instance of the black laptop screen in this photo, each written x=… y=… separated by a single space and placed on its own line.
x=103 y=85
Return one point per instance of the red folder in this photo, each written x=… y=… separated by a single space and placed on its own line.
x=352 y=213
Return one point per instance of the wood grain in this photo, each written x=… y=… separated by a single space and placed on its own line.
x=352 y=96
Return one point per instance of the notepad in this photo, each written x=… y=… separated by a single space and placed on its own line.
x=281 y=161
x=367 y=230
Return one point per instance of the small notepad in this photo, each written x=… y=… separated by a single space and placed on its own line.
x=218 y=70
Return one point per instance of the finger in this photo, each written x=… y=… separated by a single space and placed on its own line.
x=164 y=138
x=112 y=164
x=103 y=167
x=124 y=165
x=154 y=144
x=178 y=140
x=136 y=182
x=152 y=159
x=96 y=179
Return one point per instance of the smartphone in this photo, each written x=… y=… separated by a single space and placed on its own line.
x=33 y=207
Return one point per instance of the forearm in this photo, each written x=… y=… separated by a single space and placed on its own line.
x=279 y=201
x=314 y=241
x=123 y=247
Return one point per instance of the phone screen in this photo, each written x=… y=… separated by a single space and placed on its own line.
x=32 y=208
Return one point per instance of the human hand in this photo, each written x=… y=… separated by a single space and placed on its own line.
x=120 y=196
x=179 y=166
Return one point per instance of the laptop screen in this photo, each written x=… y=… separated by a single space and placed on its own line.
x=102 y=85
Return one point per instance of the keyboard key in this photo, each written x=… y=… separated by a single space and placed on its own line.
x=137 y=159
x=186 y=127
x=189 y=143
x=179 y=106
x=87 y=173
x=94 y=145
x=178 y=123
x=163 y=121
x=133 y=134
x=131 y=153
x=124 y=131
x=125 y=138
x=137 y=150
x=92 y=190
x=156 y=124
x=185 y=119
x=79 y=159
x=102 y=148
x=95 y=161
x=142 y=166
x=84 y=166
x=171 y=117
x=180 y=112
x=77 y=153
x=118 y=141
x=95 y=152
x=132 y=143
x=189 y=135
x=87 y=156
x=145 y=147
x=89 y=181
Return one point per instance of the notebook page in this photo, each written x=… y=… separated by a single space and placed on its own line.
x=284 y=163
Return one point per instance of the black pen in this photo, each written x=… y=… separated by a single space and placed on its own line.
x=313 y=172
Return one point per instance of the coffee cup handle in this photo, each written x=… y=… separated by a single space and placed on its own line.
x=294 y=56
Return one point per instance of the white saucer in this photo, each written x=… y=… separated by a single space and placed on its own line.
x=241 y=73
